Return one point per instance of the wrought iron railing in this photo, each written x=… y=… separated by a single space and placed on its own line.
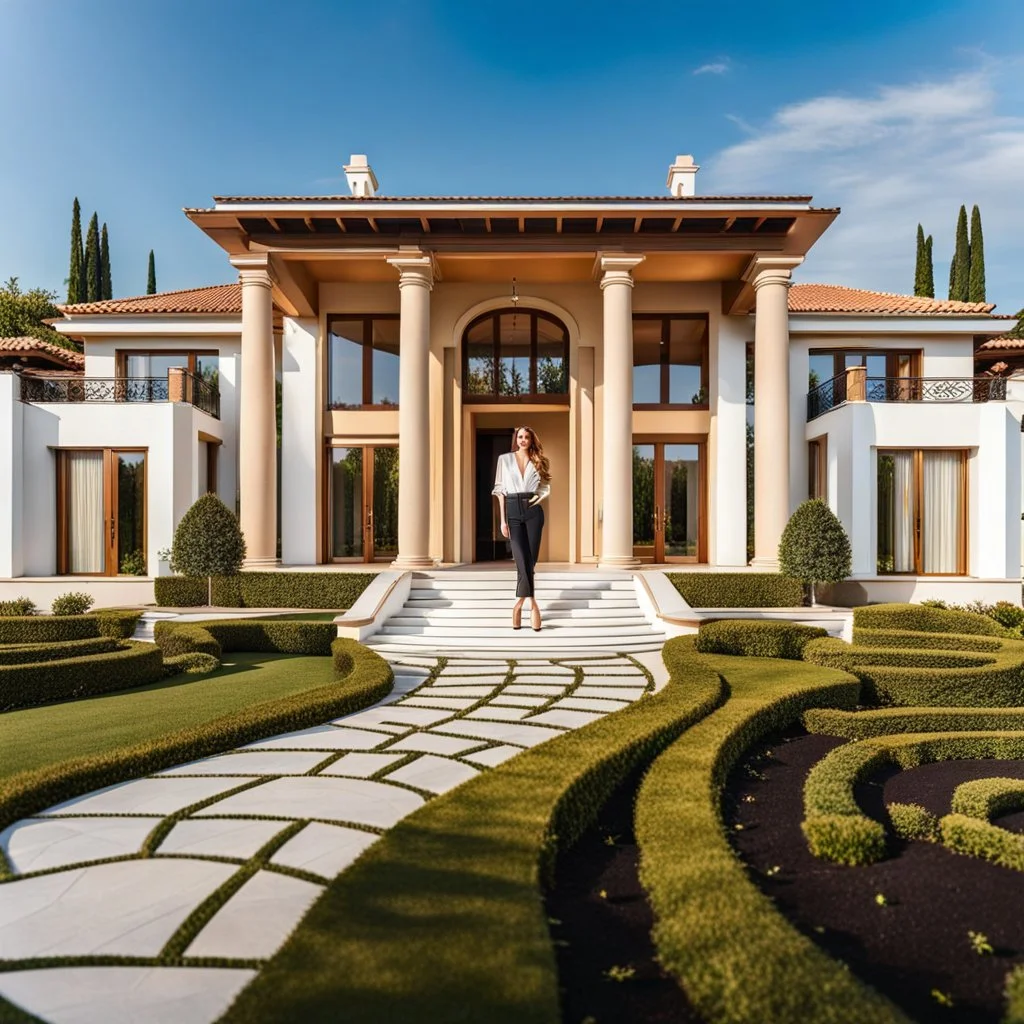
x=841 y=389
x=187 y=388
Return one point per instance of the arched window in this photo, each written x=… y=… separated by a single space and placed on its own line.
x=515 y=355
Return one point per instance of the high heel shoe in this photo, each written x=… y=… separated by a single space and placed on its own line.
x=517 y=616
x=535 y=618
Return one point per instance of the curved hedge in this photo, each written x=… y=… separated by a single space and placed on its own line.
x=901 y=638
x=756 y=638
x=975 y=838
x=22 y=654
x=839 y=654
x=118 y=624
x=363 y=677
x=922 y=619
x=47 y=629
x=738 y=958
x=26 y=685
x=836 y=828
x=442 y=920
x=261 y=635
x=988 y=798
x=860 y=725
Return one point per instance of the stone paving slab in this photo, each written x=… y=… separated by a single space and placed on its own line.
x=146 y=796
x=502 y=732
x=434 y=774
x=432 y=743
x=451 y=703
x=125 y=995
x=588 y=704
x=360 y=801
x=492 y=756
x=34 y=845
x=127 y=908
x=534 y=689
x=518 y=700
x=321 y=737
x=324 y=850
x=220 y=837
x=400 y=714
x=456 y=691
x=454 y=679
x=360 y=766
x=615 y=692
x=256 y=762
x=257 y=919
x=566 y=719
x=501 y=713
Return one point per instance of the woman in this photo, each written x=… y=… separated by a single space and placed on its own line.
x=522 y=481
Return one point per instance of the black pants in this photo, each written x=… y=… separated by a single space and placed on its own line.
x=525 y=526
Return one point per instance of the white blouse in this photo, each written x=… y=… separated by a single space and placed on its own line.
x=508 y=479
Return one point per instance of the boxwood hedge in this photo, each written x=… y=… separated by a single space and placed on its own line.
x=756 y=638
x=25 y=654
x=923 y=619
x=900 y=638
x=988 y=798
x=859 y=725
x=192 y=663
x=266 y=590
x=737 y=589
x=362 y=677
x=117 y=623
x=47 y=629
x=264 y=635
x=25 y=685
x=975 y=838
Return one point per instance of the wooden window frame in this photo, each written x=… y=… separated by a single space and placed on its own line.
x=121 y=359
x=532 y=397
x=963 y=540
x=369 y=555
x=367 y=359
x=109 y=508
x=666 y=348
x=892 y=359
x=817 y=467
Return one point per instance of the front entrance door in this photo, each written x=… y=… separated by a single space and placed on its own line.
x=668 y=502
x=363 y=503
x=488 y=543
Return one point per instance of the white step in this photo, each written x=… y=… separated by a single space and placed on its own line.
x=533 y=647
x=502 y=612
x=471 y=630
x=540 y=582
x=510 y=573
x=505 y=601
x=508 y=594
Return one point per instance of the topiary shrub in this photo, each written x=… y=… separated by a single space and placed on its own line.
x=756 y=639
x=918 y=618
x=912 y=821
x=814 y=547
x=184 y=638
x=74 y=603
x=1008 y=615
x=208 y=542
x=120 y=624
x=20 y=606
x=732 y=589
x=191 y=663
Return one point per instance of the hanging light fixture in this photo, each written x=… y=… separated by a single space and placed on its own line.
x=515 y=294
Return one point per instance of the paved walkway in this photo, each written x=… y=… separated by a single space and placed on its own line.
x=158 y=900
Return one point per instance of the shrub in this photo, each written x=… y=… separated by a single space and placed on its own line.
x=755 y=638
x=280 y=637
x=737 y=589
x=912 y=821
x=266 y=590
x=39 y=629
x=814 y=547
x=133 y=564
x=74 y=603
x=369 y=679
x=920 y=619
x=27 y=654
x=1008 y=615
x=838 y=654
x=180 y=591
x=134 y=664
x=1014 y=992
x=859 y=725
x=893 y=638
x=988 y=798
x=185 y=638
x=19 y=607
x=208 y=541
x=192 y=663
x=976 y=838
x=120 y=624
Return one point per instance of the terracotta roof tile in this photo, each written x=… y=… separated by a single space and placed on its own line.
x=834 y=298
x=696 y=200
x=217 y=298
x=1003 y=344
x=27 y=345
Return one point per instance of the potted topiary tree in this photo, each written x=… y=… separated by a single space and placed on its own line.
x=814 y=547
x=208 y=542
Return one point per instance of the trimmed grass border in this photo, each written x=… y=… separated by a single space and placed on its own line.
x=737 y=957
x=861 y=725
x=442 y=921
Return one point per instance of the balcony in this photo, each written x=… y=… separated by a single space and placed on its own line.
x=178 y=386
x=855 y=386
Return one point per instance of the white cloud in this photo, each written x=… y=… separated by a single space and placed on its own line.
x=718 y=67
x=891 y=159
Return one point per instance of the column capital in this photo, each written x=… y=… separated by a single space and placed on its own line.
x=416 y=270
x=762 y=270
x=617 y=267
x=253 y=268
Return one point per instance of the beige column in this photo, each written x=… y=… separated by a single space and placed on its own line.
x=617 y=408
x=415 y=284
x=257 y=427
x=771 y=278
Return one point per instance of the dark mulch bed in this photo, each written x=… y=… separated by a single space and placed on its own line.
x=917 y=942
x=600 y=918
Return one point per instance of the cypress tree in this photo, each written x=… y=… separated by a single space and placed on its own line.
x=929 y=268
x=960 y=272
x=151 y=276
x=92 y=261
x=76 y=266
x=919 y=272
x=106 y=291
x=976 y=278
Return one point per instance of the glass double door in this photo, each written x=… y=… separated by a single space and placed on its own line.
x=363 y=503
x=668 y=502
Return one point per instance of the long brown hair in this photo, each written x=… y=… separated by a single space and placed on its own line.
x=535 y=451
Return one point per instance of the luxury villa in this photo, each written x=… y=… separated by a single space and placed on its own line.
x=639 y=336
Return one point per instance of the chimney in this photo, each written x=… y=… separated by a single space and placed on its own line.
x=362 y=181
x=681 y=176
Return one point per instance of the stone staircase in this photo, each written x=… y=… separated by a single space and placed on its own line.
x=470 y=613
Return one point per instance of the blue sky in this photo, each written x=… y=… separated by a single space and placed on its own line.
x=895 y=110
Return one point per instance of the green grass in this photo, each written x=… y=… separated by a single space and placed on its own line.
x=43 y=736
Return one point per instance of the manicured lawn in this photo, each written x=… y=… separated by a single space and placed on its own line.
x=37 y=737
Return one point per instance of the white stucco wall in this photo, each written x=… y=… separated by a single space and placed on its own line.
x=11 y=472
x=301 y=444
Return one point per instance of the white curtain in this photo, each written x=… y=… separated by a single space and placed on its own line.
x=85 y=512
x=903 y=512
x=942 y=511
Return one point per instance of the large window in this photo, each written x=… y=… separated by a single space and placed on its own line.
x=670 y=359
x=363 y=503
x=362 y=361
x=101 y=512
x=513 y=355
x=817 y=468
x=922 y=509
x=828 y=363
